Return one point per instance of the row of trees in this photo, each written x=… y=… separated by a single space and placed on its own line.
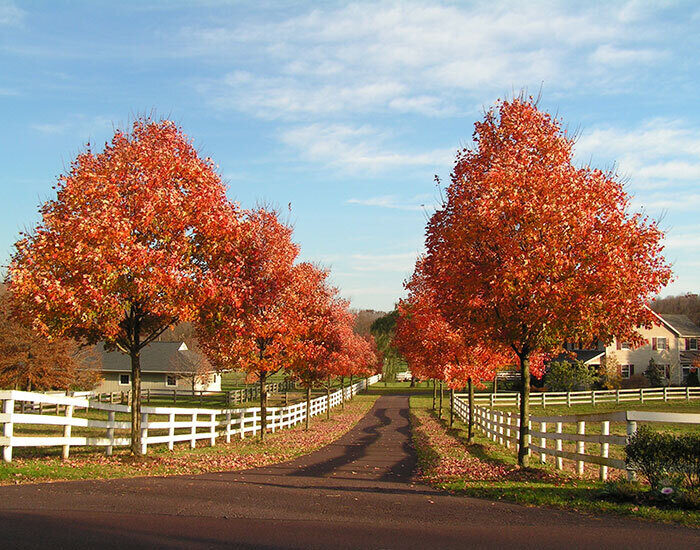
x=141 y=237
x=526 y=251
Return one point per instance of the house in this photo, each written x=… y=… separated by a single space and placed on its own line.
x=164 y=365
x=672 y=341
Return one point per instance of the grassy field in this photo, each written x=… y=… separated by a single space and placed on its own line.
x=238 y=455
x=484 y=469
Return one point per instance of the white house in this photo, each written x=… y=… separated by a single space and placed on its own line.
x=164 y=365
x=672 y=341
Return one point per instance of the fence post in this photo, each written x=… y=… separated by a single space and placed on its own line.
x=212 y=429
x=67 y=428
x=665 y=394
x=144 y=433
x=193 y=431
x=517 y=431
x=580 y=446
x=593 y=397
x=171 y=431
x=631 y=430
x=687 y=393
x=228 y=426
x=528 y=438
x=641 y=395
x=568 y=399
x=501 y=416
x=604 y=449
x=110 y=433
x=559 y=446
x=543 y=442
x=617 y=396
x=8 y=407
x=544 y=400
x=508 y=421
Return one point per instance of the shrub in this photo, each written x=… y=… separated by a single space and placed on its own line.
x=622 y=490
x=661 y=457
x=569 y=376
x=655 y=374
x=609 y=375
x=647 y=452
x=693 y=379
x=690 y=499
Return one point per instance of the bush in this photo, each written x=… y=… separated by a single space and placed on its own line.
x=693 y=379
x=569 y=376
x=664 y=458
x=690 y=499
x=621 y=490
x=655 y=374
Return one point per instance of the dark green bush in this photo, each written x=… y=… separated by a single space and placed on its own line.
x=621 y=490
x=660 y=457
x=690 y=499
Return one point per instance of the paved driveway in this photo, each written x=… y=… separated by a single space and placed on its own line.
x=354 y=493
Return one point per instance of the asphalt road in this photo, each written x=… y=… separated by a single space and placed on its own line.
x=354 y=493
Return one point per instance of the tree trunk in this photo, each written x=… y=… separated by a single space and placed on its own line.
x=352 y=394
x=328 y=398
x=434 y=393
x=413 y=381
x=470 y=429
x=342 y=392
x=440 y=411
x=523 y=454
x=136 y=401
x=263 y=404
x=452 y=407
x=308 y=407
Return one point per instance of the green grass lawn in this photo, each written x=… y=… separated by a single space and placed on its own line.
x=45 y=464
x=485 y=469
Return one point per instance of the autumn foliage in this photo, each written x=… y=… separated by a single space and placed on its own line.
x=529 y=250
x=114 y=257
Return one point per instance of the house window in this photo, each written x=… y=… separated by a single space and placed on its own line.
x=667 y=371
x=627 y=371
x=662 y=343
x=170 y=380
x=625 y=345
x=691 y=344
x=686 y=372
x=124 y=379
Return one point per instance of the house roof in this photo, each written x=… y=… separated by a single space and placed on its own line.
x=584 y=355
x=158 y=357
x=680 y=324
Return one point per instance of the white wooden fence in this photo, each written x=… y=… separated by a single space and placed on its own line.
x=170 y=425
x=503 y=428
x=593 y=397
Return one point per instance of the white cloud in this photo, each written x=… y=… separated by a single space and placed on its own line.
x=660 y=157
x=357 y=148
x=418 y=202
x=10 y=14
x=611 y=55
x=408 y=57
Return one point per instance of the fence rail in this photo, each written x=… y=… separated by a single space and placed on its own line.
x=593 y=397
x=503 y=428
x=159 y=425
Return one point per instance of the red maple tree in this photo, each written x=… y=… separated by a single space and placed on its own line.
x=248 y=320
x=113 y=258
x=530 y=250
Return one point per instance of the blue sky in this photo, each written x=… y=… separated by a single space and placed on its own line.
x=348 y=110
